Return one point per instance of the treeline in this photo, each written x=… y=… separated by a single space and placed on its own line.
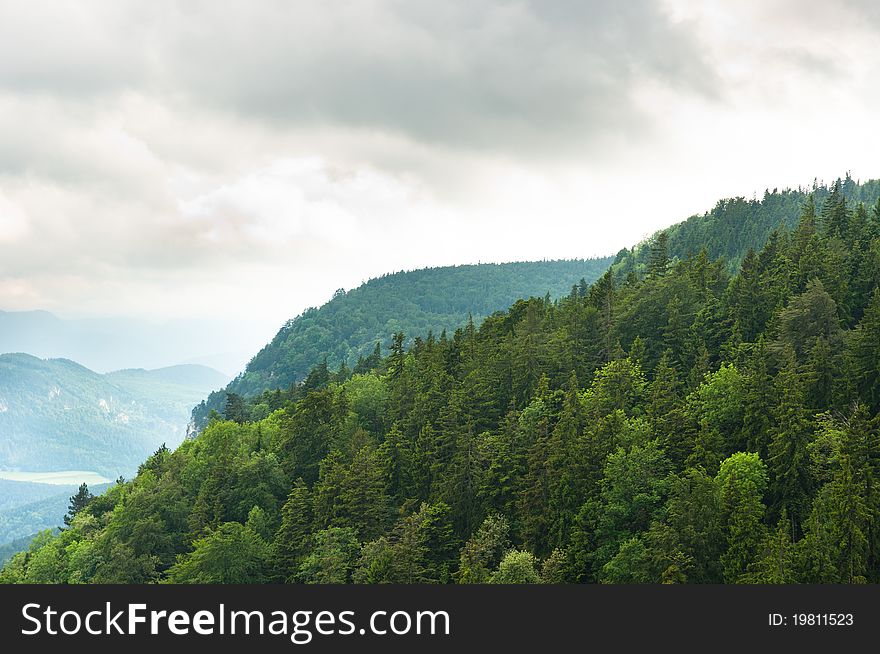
x=415 y=302
x=736 y=225
x=681 y=424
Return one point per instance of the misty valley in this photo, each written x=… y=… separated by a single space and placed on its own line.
x=62 y=425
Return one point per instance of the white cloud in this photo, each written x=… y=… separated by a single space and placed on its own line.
x=14 y=223
x=232 y=158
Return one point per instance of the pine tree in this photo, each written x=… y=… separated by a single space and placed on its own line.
x=603 y=296
x=397 y=356
x=235 y=410
x=398 y=461
x=565 y=451
x=820 y=373
x=741 y=481
x=864 y=354
x=293 y=538
x=658 y=260
x=748 y=298
x=505 y=455
x=78 y=502
x=791 y=482
x=774 y=563
x=665 y=409
x=849 y=519
x=675 y=332
x=758 y=399
x=363 y=498
x=318 y=377
x=835 y=216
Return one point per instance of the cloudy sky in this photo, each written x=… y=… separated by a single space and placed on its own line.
x=219 y=158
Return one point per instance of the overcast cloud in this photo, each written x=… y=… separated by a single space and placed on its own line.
x=173 y=159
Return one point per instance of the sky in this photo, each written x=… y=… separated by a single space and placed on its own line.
x=240 y=161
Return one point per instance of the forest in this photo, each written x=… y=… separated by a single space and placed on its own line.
x=415 y=302
x=683 y=420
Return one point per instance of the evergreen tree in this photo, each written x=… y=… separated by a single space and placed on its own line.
x=659 y=259
x=774 y=564
x=741 y=481
x=791 y=482
x=835 y=215
x=864 y=354
x=236 y=409
x=78 y=502
x=483 y=551
x=332 y=557
x=293 y=538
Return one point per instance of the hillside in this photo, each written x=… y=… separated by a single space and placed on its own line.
x=736 y=225
x=348 y=327
x=173 y=384
x=687 y=424
x=58 y=415
x=431 y=300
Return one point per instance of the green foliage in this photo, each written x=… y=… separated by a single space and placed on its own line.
x=292 y=540
x=348 y=328
x=633 y=491
x=678 y=424
x=78 y=502
x=233 y=554
x=332 y=557
x=741 y=482
x=418 y=550
x=517 y=567
x=483 y=552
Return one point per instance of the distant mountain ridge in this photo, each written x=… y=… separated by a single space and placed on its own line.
x=105 y=344
x=185 y=374
x=414 y=302
x=56 y=414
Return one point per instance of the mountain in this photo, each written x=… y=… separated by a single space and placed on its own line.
x=736 y=225
x=348 y=327
x=434 y=299
x=104 y=344
x=171 y=383
x=58 y=415
x=683 y=424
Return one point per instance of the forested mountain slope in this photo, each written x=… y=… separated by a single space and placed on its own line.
x=678 y=424
x=58 y=415
x=736 y=225
x=348 y=327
